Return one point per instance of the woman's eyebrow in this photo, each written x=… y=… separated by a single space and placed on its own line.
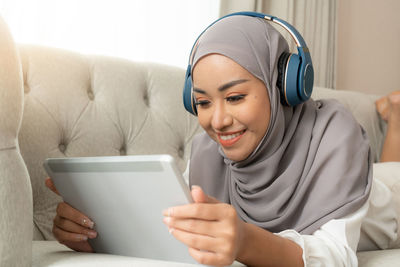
x=230 y=84
x=222 y=87
x=198 y=90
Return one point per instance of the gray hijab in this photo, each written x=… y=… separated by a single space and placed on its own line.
x=312 y=165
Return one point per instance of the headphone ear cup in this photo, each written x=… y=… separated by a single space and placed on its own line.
x=281 y=81
x=188 y=100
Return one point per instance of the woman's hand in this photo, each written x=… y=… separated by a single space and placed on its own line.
x=71 y=227
x=212 y=230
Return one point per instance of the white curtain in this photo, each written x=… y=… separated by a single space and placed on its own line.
x=157 y=30
x=314 y=19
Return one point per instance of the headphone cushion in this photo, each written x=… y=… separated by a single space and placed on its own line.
x=187 y=93
x=282 y=63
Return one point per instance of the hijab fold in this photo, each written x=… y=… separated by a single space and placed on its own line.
x=313 y=163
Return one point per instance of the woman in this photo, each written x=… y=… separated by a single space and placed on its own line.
x=272 y=184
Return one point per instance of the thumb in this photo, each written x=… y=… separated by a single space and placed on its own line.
x=199 y=196
x=49 y=183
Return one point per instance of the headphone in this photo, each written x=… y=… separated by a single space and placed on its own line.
x=295 y=71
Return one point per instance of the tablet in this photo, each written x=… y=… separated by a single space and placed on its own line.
x=125 y=197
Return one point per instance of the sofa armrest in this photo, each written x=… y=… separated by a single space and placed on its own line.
x=15 y=187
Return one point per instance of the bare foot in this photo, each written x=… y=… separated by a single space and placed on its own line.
x=394 y=110
x=386 y=104
x=389 y=109
x=382 y=106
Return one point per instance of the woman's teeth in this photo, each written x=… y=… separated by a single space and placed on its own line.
x=230 y=136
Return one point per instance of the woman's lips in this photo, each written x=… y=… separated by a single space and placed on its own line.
x=229 y=139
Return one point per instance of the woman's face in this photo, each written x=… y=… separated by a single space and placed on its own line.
x=233 y=105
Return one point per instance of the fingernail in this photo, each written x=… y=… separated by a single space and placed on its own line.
x=167 y=220
x=167 y=212
x=195 y=187
x=92 y=234
x=88 y=223
x=83 y=238
x=170 y=230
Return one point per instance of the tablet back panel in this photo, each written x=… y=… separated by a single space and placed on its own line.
x=125 y=197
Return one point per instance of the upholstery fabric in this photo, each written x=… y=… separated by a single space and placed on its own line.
x=387 y=258
x=15 y=189
x=79 y=105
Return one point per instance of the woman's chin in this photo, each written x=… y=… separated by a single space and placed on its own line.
x=235 y=155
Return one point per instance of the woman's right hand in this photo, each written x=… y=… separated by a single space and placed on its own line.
x=71 y=227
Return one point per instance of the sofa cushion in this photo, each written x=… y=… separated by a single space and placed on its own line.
x=51 y=253
x=387 y=258
x=389 y=174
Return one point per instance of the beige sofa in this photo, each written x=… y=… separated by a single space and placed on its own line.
x=55 y=103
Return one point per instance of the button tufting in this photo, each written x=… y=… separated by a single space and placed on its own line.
x=122 y=151
x=90 y=95
x=181 y=152
x=27 y=89
x=146 y=98
x=62 y=147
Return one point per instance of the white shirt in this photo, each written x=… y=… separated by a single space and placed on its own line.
x=373 y=226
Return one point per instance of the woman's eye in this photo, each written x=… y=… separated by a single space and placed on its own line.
x=202 y=103
x=234 y=98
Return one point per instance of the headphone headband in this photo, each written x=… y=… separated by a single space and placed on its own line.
x=298 y=76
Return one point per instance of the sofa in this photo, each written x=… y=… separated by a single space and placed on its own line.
x=57 y=103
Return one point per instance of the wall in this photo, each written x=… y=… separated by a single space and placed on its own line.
x=368 y=46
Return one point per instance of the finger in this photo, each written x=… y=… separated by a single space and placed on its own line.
x=49 y=183
x=202 y=211
x=199 y=196
x=196 y=241
x=66 y=211
x=73 y=227
x=82 y=246
x=64 y=236
x=209 y=258
x=192 y=225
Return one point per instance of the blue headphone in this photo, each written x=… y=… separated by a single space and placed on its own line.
x=295 y=71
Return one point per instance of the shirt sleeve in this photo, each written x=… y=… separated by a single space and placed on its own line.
x=336 y=242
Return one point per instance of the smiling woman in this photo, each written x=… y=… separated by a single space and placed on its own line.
x=156 y=30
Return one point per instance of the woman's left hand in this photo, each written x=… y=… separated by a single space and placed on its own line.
x=211 y=229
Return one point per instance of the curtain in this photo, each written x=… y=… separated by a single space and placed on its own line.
x=314 y=19
x=156 y=31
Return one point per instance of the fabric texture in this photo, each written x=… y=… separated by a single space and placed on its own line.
x=303 y=173
x=15 y=188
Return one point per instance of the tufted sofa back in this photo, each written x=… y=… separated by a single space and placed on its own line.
x=79 y=105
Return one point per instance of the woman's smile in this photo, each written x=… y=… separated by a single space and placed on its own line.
x=230 y=138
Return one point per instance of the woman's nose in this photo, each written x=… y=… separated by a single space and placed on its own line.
x=221 y=117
